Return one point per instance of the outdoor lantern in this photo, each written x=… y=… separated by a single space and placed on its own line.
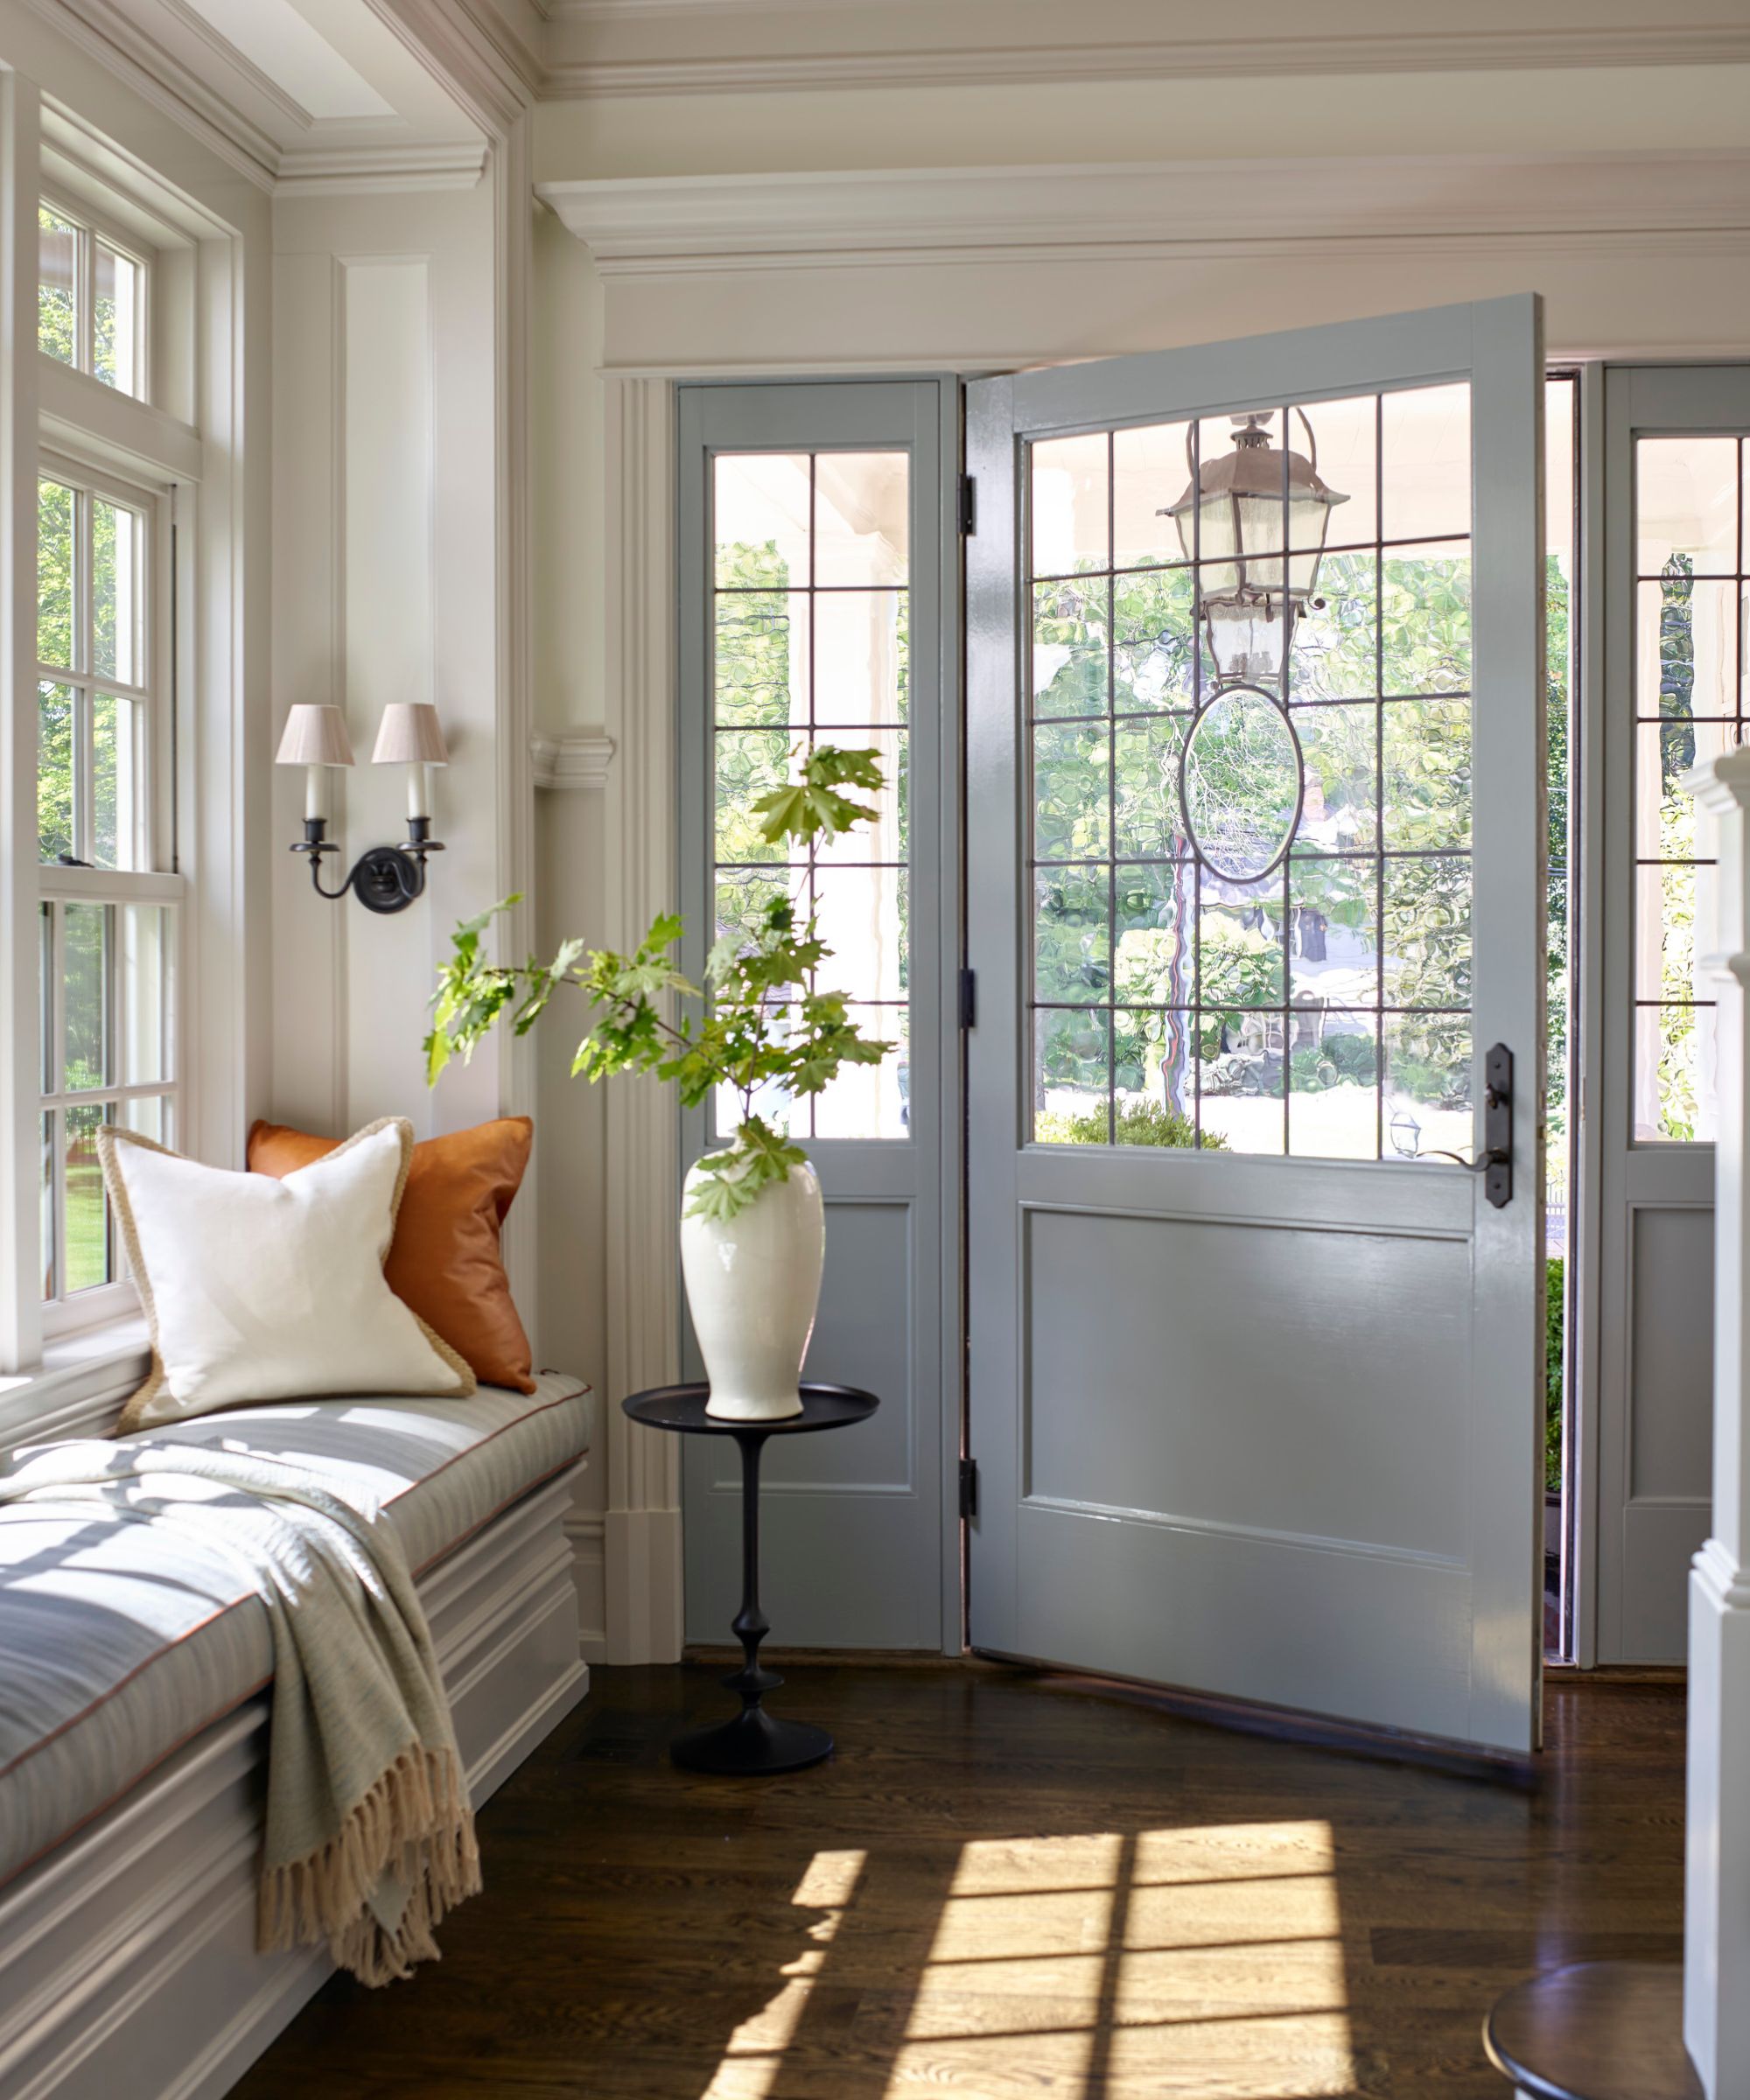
x=1406 y=1135
x=1254 y=522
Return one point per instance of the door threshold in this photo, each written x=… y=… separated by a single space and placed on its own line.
x=1288 y=1725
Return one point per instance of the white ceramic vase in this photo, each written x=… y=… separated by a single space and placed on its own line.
x=753 y=1283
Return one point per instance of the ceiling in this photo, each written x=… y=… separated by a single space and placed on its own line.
x=298 y=93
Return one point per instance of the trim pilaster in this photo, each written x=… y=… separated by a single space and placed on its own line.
x=1717 y=1820
x=642 y=1540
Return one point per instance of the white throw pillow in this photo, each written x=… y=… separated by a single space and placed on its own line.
x=257 y=1289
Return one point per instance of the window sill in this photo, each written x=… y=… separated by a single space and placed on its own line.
x=82 y=1380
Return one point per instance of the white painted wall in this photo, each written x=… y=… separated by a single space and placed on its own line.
x=385 y=514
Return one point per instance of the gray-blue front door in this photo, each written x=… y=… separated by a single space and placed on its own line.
x=1254 y=1372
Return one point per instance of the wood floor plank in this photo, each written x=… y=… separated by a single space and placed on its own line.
x=1001 y=1887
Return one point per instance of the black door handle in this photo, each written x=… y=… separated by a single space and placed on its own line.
x=1495 y=1162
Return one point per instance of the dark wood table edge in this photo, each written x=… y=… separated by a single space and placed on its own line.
x=1651 y=2064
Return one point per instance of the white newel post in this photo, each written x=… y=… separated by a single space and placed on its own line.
x=1717 y=1886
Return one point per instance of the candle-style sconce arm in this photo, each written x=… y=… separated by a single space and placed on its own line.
x=383 y=879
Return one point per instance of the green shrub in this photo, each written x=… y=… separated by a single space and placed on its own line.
x=1555 y=1276
x=1140 y=1123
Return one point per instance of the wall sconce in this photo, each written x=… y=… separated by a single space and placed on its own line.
x=384 y=878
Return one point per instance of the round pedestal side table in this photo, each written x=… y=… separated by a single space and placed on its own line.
x=752 y=1741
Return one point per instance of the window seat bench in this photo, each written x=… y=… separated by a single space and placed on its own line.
x=134 y=1702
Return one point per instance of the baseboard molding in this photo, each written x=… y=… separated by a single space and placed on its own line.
x=642 y=1556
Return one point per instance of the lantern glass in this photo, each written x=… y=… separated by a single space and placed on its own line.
x=1241 y=512
x=1247 y=638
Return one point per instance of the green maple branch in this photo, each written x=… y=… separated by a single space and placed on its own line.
x=767 y=1021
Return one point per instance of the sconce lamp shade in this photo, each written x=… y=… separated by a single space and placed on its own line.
x=315 y=735
x=411 y=735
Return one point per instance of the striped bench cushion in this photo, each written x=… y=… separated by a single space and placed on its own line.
x=117 y=1645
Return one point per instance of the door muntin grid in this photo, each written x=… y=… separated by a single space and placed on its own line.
x=1691 y=602
x=810 y=644
x=1321 y=1009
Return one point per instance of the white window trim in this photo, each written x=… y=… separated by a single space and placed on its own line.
x=221 y=756
x=64 y=452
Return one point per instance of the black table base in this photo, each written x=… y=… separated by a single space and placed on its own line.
x=754 y=1742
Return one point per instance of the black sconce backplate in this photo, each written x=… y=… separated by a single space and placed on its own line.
x=383 y=879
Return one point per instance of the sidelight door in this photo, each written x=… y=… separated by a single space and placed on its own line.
x=1254 y=891
x=811 y=566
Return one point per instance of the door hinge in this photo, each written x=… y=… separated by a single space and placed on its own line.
x=969 y=1487
x=969 y=998
x=969 y=505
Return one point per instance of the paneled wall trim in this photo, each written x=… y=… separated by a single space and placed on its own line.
x=642 y=1529
x=1717 y=1924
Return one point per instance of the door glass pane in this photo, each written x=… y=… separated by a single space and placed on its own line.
x=1250 y=780
x=1071 y=492
x=862 y=519
x=762 y=502
x=810 y=640
x=859 y=660
x=761 y=657
x=1687 y=497
x=1690 y=670
x=57 y=285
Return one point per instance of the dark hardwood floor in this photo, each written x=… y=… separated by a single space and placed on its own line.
x=1001 y=1887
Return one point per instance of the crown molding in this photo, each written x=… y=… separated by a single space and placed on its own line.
x=316 y=172
x=999 y=64
x=202 y=33
x=485 y=63
x=107 y=33
x=673 y=225
x=578 y=758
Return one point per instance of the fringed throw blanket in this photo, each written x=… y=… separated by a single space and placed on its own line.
x=370 y=1839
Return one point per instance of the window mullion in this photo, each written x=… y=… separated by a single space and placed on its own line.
x=85 y=315
x=84 y=738
x=57 y=1158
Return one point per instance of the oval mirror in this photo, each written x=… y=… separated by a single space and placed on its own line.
x=1240 y=782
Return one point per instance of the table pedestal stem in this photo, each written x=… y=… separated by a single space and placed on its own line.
x=754 y=1742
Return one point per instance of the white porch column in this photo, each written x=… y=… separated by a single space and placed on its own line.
x=641 y=1534
x=1717 y=1886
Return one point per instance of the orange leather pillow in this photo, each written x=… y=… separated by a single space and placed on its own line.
x=446 y=1261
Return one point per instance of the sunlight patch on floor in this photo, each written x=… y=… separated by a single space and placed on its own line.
x=1202 y=1961
x=1205 y=1961
x=756 y=2049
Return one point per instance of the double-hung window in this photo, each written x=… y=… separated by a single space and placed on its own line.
x=109 y=894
